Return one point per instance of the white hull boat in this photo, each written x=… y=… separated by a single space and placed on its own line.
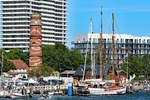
x=17 y=95
x=4 y=93
x=110 y=91
x=48 y=96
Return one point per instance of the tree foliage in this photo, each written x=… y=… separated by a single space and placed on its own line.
x=41 y=71
x=18 y=54
x=76 y=58
x=137 y=65
x=61 y=58
x=5 y=63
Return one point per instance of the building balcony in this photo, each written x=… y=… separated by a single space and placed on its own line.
x=15 y=21
x=48 y=15
x=15 y=25
x=23 y=16
x=48 y=11
x=22 y=13
x=47 y=39
x=47 y=31
x=15 y=4
x=15 y=38
x=15 y=8
x=47 y=35
x=48 y=23
x=15 y=34
x=47 y=19
x=15 y=30
x=15 y=47
x=44 y=2
x=48 y=43
x=15 y=42
x=48 y=27
x=60 y=32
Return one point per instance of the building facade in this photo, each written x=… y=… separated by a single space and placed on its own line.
x=124 y=45
x=15 y=22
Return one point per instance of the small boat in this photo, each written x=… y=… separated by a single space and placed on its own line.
x=147 y=88
x=18 y=93
x=47 y=96
x=4 y=94
x=82 y=90
x=50 y=94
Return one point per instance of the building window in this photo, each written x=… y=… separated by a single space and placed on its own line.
x=121 y=40
x=139 y=40
x=148 y=41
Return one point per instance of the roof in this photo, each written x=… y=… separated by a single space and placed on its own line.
x=105 y=69
x=19 y=64
x=68 y=72
x=119 y=71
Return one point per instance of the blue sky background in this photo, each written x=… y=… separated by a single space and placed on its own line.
x=131 y=17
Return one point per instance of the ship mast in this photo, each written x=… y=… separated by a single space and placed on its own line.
x=92 y=51
x=101 y=45
x=91 y=48
x=113 y=70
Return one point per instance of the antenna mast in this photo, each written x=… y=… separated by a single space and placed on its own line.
x=101 y=45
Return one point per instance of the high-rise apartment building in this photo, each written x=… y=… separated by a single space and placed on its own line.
x=15 y=22
x=124 y=45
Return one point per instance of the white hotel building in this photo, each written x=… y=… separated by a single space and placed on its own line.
x=15 y=22
x=124 y=44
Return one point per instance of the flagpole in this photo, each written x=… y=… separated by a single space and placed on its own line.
x=1 y=65
x=127 y=67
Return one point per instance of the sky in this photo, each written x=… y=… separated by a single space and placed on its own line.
x=131 y=17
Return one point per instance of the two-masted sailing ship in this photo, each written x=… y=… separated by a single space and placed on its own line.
x=101 y=86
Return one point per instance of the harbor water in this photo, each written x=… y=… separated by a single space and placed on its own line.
x=134 y=96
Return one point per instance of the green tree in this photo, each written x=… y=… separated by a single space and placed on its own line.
x=5 y=63
x=132 y=62
x=61 y=58
x=18 y=54
x=76 y=59
x=139 y=65
x=145 y=61
x=41 y=71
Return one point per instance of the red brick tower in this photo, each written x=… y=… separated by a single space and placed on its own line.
x=35 y=41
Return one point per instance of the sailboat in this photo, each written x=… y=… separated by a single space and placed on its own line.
x=105 y=87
